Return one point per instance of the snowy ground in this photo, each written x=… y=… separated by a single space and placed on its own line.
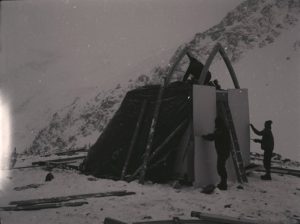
x=276 y=201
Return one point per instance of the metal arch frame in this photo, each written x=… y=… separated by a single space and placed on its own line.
x=218 y=48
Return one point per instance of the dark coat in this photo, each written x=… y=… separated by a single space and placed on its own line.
x=267 y=141
x=221 y=137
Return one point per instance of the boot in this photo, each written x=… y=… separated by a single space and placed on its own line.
x=222 y=186
x=267 y=176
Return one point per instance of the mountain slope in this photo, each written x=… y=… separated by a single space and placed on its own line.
x=253 y=33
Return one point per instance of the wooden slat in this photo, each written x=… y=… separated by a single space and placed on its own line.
x=108 y=220
x=279 y=170
x=57 y=160
x=169 y=74
x=42 y=206
x=70 y=197
x=218 y=48
x=221 y=219
x=180 y=221
x=134 y=138
x=158 y=149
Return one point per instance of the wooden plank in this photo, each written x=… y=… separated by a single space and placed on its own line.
x=44 y=162
x=134 y=138
x=62 y=165
x=108 y=220
x=169 y=74
x=25 y=167
x=221 y=218
x=272 y=161
x=180 y=221
x=71 y=152
x=279 y=170
x=70 y=197
x=218 y=48
x=42 y=206
x=29 y=186
x=158 y=149
x=151 y=135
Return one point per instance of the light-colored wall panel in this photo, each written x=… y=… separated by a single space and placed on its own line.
x=204 y=114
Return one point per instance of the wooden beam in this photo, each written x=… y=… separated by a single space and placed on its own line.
x=218 y=48
x=279 y=170
x=159 y=148
x=221 y=219
x=151 y=134
x=70 y=197
x=134 y=138
x=108 y=220
x=44 y=162
x=42 y=206
x=181 y=221
x=168 y=77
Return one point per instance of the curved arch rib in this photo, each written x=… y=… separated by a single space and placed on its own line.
x=218 y=48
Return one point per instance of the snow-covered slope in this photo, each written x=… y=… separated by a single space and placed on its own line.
x=80 y=123
x=262 y=40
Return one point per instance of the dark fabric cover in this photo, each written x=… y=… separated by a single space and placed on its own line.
x=107 y=156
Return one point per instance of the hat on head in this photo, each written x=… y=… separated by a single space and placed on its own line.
x=268 y=122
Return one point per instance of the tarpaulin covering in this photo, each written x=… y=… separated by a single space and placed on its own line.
x=107 y=156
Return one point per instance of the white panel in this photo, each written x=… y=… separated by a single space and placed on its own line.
x=238 y=103
x=204 y=114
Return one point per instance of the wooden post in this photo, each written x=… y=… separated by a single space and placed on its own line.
x=159 y=148
x=133 y=140
x=156 y=113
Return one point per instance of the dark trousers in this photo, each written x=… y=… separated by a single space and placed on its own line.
x=267 y=161
x=221 y=168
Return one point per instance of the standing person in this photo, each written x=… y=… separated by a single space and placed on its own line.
x=267 y=144
x=221 y=137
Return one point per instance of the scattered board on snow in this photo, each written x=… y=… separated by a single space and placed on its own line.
x=278 y=170
x=42 y=206
x=175 y=220
x=29 y=186
x=221 y=219
x=69 y=198
x=108 y=220
x=44 y=162
x=205 y=219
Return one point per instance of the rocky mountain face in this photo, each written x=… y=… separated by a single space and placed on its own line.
x=80 y=123
x=254 y=24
